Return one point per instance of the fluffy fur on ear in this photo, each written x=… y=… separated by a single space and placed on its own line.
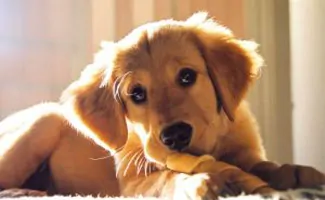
x=232 y=63
x=90 y=103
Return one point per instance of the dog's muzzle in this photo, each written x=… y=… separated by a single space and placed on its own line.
x=177 y=136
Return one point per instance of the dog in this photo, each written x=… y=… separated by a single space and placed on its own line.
x=168 y=86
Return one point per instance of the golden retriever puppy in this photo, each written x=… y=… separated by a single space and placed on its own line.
x=168 y=87
x=182 y=84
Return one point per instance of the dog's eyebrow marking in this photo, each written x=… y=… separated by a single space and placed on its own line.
x=179 y=59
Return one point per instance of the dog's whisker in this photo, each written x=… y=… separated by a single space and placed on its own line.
x=142 y=164
x=146 y=168
x=111 y=155
x=101 y=158
x=143 y=160
x=139 y=166
x=121 y=162
x=128 y=166
x=138 y=170
x=136 y=163
x=130 y=162
x=118 y=151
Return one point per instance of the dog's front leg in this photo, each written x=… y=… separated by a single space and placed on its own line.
x=231 y=179
x=248 y=154
x=280 y=176
x=27 y=138
x=288 y=176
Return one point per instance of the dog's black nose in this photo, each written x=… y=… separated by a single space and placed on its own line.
x=177 y=136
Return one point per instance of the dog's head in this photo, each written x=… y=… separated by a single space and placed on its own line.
x=176 y=84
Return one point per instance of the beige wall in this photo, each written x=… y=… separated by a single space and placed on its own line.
x=308 y=81
x=41 y=42
x=267 y=22
x=112 y=19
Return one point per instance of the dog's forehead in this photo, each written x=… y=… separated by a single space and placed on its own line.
x=155 y=49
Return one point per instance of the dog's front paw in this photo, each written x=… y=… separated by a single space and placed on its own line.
x=195 y=187
x=296 y=176
x=16 y=192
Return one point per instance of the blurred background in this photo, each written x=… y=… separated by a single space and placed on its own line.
x=44 y=44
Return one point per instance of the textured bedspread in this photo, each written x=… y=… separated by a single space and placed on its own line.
x=288 y=195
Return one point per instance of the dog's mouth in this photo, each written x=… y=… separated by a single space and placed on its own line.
x=160 y=162
x=178 y=137
x=156 y=152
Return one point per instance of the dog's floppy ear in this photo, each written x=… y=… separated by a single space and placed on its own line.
x=232 y=63
x=91 y=107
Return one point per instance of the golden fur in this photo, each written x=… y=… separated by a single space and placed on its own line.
x=98 y=106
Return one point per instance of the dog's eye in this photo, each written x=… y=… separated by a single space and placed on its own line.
x=186 y=77
x=138 y=94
